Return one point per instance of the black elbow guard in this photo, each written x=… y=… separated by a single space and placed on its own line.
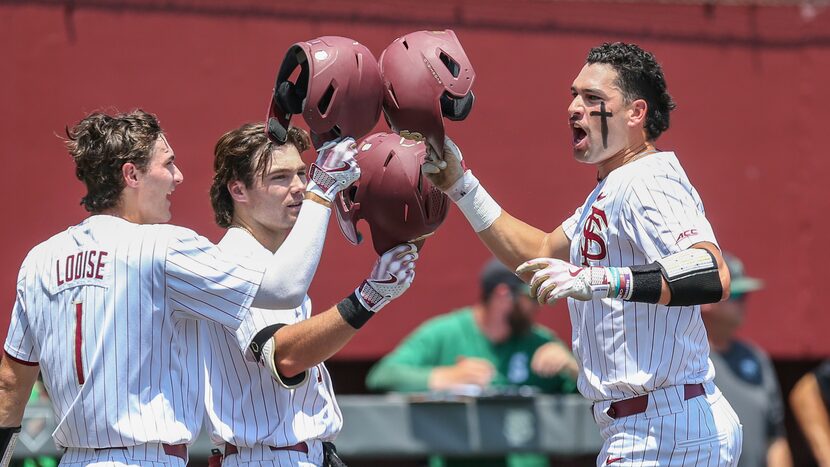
x=692 y=276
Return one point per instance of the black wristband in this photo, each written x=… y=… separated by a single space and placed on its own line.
x=648 y=283
x=353 y=312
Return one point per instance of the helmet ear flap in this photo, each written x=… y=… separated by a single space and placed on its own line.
x=456 y=108
x=288 y=97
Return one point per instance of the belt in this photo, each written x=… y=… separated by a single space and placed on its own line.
x=177 y=450
x=639 y=404
x=299 y=447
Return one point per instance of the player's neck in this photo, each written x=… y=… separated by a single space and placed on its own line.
x=270 y=240
x=120 y=211
x=624 y=156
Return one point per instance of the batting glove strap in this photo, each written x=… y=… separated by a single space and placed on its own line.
x=354 y=311
x=327 y=183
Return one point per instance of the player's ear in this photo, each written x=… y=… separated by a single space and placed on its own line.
x=130 y=174
x=238 y=191
x=637 y=112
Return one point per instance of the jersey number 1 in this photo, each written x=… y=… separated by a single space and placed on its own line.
x=79 y=362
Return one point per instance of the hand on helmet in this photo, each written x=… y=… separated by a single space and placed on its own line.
x=393 y=273
x=444 y=170
x=335 y=169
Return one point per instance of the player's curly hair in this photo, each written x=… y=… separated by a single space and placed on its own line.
x=239 y=155
x=101 y=144
x=639 y=77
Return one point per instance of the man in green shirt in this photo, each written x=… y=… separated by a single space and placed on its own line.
x=492 y=344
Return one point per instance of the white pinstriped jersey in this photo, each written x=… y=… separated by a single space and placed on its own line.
x=645 y=210
x=109 y=310
x=245 y=406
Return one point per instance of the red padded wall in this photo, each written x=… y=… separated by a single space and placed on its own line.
x=750 y=127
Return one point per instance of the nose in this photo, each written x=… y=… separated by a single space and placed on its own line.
x=298 y=184
x=575 y=110
x=178 y=177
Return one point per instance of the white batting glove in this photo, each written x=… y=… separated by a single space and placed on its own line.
x=443 y=170
x=393 y=273
x=335 y=169
x=554 y=279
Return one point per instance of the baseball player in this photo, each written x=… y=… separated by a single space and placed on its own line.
x=635 y=262
x=257 y=194
x=108 y=309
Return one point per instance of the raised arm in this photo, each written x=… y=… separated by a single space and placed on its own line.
x=511 y=240
x=290 y=270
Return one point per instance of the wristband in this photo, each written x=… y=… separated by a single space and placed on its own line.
x=480 y=209
x=353 y=312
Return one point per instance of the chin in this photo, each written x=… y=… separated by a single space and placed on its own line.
x=583 y=157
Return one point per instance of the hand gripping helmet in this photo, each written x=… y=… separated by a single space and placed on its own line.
x=392 y=196
x=338 y=90
x=426 y=76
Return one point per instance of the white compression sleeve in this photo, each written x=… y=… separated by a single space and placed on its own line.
x=289 y=271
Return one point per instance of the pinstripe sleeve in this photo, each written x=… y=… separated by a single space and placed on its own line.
x=570 y=224
x=20 y=343
x=663 y=214
x=206 y=283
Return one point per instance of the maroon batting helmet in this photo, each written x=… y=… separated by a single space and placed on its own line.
x=338 y=90
x=392 y=196
x=426 y=76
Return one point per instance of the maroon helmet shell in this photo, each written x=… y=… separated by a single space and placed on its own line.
x=392 y=196
x=338 y=90
x=426 y=76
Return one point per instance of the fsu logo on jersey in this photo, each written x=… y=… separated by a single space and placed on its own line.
x=593 y=245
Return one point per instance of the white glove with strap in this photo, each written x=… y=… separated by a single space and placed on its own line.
x=448 y=174
x=554 y=279
x=393 y=273
x=335 y=169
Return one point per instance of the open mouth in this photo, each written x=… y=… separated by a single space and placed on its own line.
x=579 y=136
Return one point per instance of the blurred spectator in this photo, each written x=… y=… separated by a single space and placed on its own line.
x=745 y=375
x=810 y=399
x=491 y=345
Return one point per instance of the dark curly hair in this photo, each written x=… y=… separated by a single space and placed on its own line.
x=239 y=155
x=101 y=144
x=639 y=76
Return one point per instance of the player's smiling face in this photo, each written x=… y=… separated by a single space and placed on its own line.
x=274 y=201
x=597 y=114
x=157 y=183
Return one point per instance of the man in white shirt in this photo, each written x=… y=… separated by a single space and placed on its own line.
x=284 y=416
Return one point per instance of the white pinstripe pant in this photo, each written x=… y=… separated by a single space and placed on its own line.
x=702 y=431
x=263 y=456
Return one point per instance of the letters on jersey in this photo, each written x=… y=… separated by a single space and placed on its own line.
x=82 y=268
x=593 y=246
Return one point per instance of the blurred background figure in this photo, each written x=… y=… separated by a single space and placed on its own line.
x=746 y=376
x=809 y=402
x=490 y=346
